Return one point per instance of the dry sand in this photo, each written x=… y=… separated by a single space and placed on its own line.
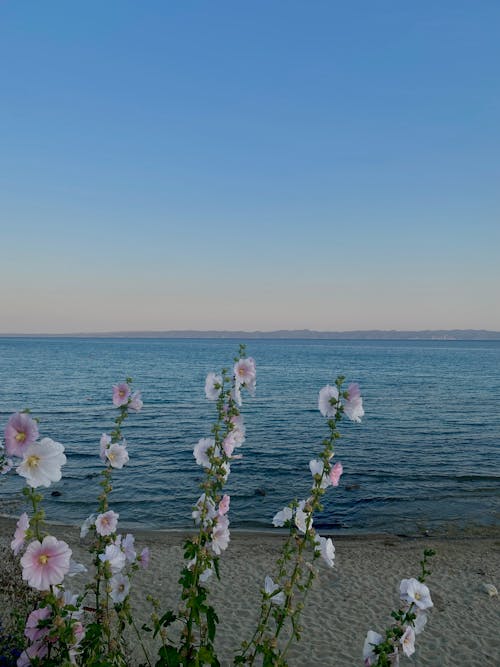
x=356 y=595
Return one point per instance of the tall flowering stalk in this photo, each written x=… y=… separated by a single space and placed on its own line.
x=114 y=556
x=409 y=621
x=197 y=617
x=280 y=609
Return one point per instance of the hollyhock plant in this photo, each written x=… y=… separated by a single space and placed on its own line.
x=42 y=462
x=121 y=394
x=22 y=526
x=45 y=563
x=21 y=432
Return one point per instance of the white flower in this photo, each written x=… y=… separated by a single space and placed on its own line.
x=411 y=590
x=104 y=444
x=89 y=521
x=280 y=518
x=301 y=517
x=317 y=468
x=372 y=639
x=114 y=556
x=106 y=523
x=236 y=395
x=353 y=406
x=211 y=391
x=22 y=526
x=200 y=451
x=210 y=511
x=120 y=587
x=117 y=455
x=75 y=568
x=42 y=463
x=408 y=641
x=220 y=535
x=136 y=402
x=271 y=590
x=128 y=548
x=326 y=549
x=326 y=396
x=245 y=374
x=420 y=621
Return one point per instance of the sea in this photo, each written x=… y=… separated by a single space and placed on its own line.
x=425 y=460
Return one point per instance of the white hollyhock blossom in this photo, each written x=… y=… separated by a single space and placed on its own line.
x=117 y=455
x=75 y=568
x=245 y=373
x=326 y=548
x=420 y=621
x=115 y=557
x=89 y=521
x=104 y=443
x=220 y=535
x=317 y=468
x=42 y=463
x=236 y=395
x=120 y=587
x=301 y=517
x=408 y=641
x=325 y=398
x=372 y=639
x=210 y=511
x=127 y=545
x=280 y=518
x=211 y=391
x=411 y=590
x=270 y=587
x=353 y=406
x=200 y=451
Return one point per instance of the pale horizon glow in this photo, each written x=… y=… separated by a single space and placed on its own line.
x=231 y=167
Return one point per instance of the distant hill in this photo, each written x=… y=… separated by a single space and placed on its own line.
x=372 y=334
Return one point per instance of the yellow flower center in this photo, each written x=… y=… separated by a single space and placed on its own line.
x=43 y=559
x=33 y=461
x=111 y=456
x=417 y=596
x=21 y=437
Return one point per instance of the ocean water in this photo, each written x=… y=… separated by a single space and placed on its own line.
x=426 y=456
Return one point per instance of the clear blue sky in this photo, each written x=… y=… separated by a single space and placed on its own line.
x=249 y=165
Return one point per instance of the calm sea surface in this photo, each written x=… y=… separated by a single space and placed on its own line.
x=425 y=457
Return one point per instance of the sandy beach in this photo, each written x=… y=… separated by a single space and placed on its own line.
x=356 y=595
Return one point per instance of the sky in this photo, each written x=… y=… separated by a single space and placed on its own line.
x=249 y=165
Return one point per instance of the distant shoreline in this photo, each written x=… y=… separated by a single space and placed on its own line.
x=285 y=334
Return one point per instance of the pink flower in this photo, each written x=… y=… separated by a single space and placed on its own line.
x=136 y=403
x=42 y=463
x=106 y=523
x=220 y=535
x=121 y=394
x=224 y=505
x=245 y=373
x=21 y=431
x=335 y=473
x=20 y=533
x=238 y=429
x=45 y=564
x=213 y=386
x=36 y=650
x=117 y=455
x=327 y=401
x=353 y=407
x=144 y=558
x=32 y=631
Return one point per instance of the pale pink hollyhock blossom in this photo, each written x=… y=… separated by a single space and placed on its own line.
x=128 y=548
x=200 y=451
x=144 y=558
x=238 y=429
x=114 y=556
x=38 y=650
x=213 y=386
x=89 y=521
x=117 y=455
x=372 y=639
x=236 y=395
x=280 y=518
x=121 y=394
x=326 y=548
x=335 y=473
x=45 y=564
x=31 y=630
x=301 y=517
x=220 y=535
x=41 y=464
x=210 y=511
x=353 y=406
x=136 y=403
x=106 y=523
x=317 y=468
x=104 y=444
x=120 y=587
x=206 y=574
x=224 y=505
x=408 y=641
x=271 y=589
x=245 y=373
x=227 y=469
x=22 y=526
x=229 y=444
x=21 y=432
x=420 y=621
x=327 y=395
x=413 y=591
